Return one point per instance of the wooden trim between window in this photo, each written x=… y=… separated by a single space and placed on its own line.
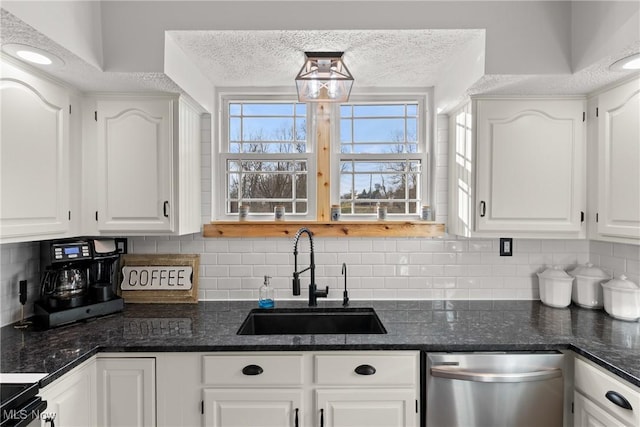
x=323 y=148
x=324 y=228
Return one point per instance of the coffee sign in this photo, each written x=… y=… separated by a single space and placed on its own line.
x=159 y=278
x=156 y=278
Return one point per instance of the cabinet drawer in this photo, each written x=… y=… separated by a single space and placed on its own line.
x=258 y=369
x=388 y=369
x=595 y=384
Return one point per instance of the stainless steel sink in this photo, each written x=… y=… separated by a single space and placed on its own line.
x=299 y=321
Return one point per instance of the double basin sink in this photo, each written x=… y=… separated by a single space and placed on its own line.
x=300 y=321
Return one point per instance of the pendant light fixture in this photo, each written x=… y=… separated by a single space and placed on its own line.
x=324 y=78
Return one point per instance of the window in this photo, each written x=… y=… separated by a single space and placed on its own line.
x=266 y=157
x=382 y=153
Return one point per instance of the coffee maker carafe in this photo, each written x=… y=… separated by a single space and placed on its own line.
x=64 y=287
x=78 y=280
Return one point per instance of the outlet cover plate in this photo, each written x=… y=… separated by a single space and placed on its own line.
x=506 y=246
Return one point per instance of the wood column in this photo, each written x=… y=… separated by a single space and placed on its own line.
x=323 y=149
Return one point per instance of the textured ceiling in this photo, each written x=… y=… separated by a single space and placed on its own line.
x=407 y=58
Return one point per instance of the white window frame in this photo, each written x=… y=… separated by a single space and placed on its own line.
x=424 y=148
x=222 y=154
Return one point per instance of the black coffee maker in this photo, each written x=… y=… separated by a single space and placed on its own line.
x=78 y=280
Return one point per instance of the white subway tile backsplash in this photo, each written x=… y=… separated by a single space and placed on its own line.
x=601 y=248
x=627 y=251
x=361 y=245
x=230 y=258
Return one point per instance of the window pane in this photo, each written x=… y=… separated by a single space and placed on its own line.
x=235 y=126
x=263 y=184
x=345 y=131
x=235 y=109
x=301 y=186
x=301 y=109
x=364 y=183
x=267 y=129
x=378 y=130
x=274 y=109
x=378 y=110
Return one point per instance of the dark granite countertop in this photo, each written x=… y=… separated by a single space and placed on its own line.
x=411 y=325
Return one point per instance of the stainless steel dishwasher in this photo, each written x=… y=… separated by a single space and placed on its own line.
x=494 y=389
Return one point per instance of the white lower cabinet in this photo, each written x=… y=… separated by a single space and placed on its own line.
x=71 y=399
x=366 y=407
x=126 y=392
x=600 y=399
x=320 y=389
x=243 y=407
x=588 y=414
x=103 y=392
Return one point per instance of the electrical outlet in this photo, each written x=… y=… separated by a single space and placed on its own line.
x=506 y=246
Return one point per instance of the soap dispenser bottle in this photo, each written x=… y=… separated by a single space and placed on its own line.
x=266 y=294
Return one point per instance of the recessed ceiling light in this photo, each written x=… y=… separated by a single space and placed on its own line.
x=32 y=54
x=35 y=57
x=628 y=63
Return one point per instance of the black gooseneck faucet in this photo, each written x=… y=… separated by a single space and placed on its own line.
x=314 y=293
x=345 y=295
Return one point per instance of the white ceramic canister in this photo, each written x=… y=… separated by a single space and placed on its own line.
x=622 y=299
x=555 y=287
x=587 y=292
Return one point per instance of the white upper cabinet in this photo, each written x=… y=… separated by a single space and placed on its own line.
x=148 y=165
x=524 y=173
x=35 y=157
x=618 y=208
x=135 y=170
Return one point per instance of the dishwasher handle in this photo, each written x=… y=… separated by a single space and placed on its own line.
x=456 y=373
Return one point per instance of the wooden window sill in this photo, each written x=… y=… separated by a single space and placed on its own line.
x=324 y=229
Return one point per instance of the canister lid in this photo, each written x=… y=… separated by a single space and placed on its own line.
x=589 y=270
x=620 y=283
x=555 y=272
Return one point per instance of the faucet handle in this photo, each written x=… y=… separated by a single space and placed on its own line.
x=296 y=284
x=322 y=294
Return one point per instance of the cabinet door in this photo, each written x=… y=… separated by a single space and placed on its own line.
x=530 y=165
x=126 y=392
x=34 y=156
x=588 y=414
x=619 y=157
x=252 y=407
x=135 y=165
x=366 y=407
x=70 y=400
